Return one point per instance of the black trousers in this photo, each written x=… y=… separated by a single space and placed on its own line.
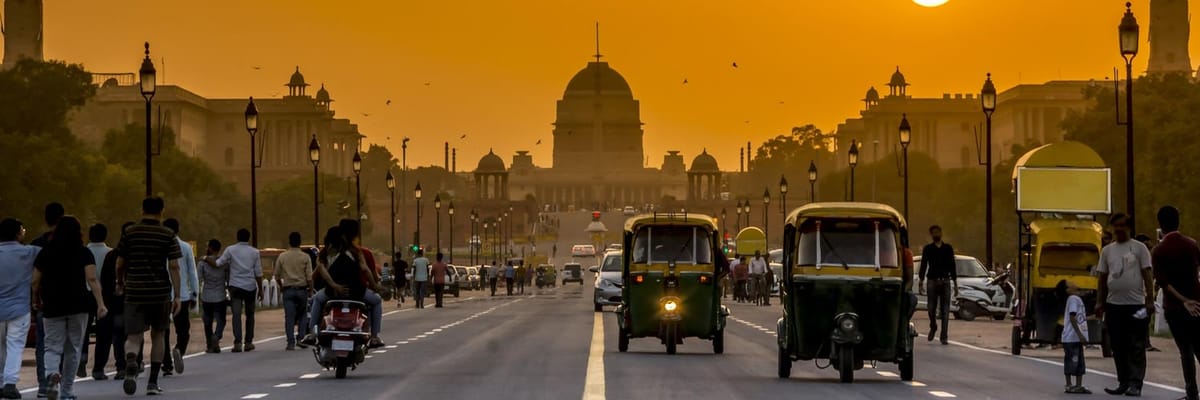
x=508 y=283
x=438 y=290
x=494 y=286
x=1186 y=330
x=111 y=327
x=1127 y=337
x=214 y=313
x=243 y=301
x=938 y=293
x=183 y=328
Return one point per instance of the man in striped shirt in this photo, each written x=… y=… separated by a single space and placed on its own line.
x=148 y=274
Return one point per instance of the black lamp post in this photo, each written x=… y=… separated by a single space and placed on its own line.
x=391 y=187
x=783 y=188
x=404 y=183
x=853 y=163
x=766 y=214
x=147 y=75
x=450 y=240
x=314 y=155
x=506 y=235
x=417 y=196
x=512 y=217
x=499 y=235
x=987 y=98
x=812 y=181
x=746 y=211
x=356 y=165
x=484 y=242
x=471 y=240
x=437 y=223
x=1128 y=34
x=737 y=226
x=252 y=128
x=905 y=140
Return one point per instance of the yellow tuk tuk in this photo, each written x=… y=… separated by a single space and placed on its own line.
x=1060 y=188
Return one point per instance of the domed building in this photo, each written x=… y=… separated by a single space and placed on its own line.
x=598 y=122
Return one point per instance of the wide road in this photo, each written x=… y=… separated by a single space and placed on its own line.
x=548 y=344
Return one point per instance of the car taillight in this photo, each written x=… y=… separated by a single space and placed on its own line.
x=704 y=279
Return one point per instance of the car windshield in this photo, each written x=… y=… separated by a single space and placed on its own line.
x=852 y=243
x=612 y=263
x=461 y=270
x=680 y=244
x=970 y=268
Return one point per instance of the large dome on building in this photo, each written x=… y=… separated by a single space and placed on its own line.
x=898 y=79
x=704 y=163
x=323 y=95
x=297 y=78
x=490 y=163
x=598 y=76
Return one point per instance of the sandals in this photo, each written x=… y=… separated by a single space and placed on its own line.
x=1078 y=390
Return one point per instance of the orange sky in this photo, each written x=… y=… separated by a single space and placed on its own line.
x=495 y=68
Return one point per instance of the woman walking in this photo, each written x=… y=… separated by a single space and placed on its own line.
x=65 y=289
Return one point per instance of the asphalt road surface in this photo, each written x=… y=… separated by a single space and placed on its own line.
x=549 y=344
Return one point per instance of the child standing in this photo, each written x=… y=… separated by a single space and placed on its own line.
x=1074 y=333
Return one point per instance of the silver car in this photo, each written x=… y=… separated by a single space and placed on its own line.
x=968 y=269
x=608 y=281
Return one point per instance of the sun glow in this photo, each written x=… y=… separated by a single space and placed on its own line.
x=930 y=3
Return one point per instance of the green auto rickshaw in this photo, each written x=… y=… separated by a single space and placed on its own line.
x=671 y=263
x=846 y=292
x=547 y=276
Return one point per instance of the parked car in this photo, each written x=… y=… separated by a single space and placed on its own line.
x=608 y=281
x=469 y=277
x=969 y=270
x=583 y=250
x=629 y=211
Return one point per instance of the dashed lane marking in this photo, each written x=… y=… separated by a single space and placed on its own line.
x=888 y=374
x=286 y=385
x=255 y=396
x=379 y=351
x=391 y=346
x=309 y=376
x=939 y=393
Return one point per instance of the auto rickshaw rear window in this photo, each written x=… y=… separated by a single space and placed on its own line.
x=850 y=243
x=666 y=244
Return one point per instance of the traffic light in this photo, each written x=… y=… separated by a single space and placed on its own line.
x=414 y=248
x=595 y=215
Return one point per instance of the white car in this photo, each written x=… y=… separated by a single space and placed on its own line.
x=608 y=281
x=629 y=211
x=469 y=277
x=583 y=250
x=968 y=268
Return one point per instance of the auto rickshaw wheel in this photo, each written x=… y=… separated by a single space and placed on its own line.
x=718 y=342
x=846 y=364
x=906 y=367
x=1016 y=341
x=622 y=341
x=785 y=363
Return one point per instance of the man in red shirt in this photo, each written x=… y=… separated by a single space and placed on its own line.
x=1175 y=261
x=439 y=280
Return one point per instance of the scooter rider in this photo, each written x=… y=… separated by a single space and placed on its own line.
x=342 y=266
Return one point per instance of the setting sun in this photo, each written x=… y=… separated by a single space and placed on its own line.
x=930 y=3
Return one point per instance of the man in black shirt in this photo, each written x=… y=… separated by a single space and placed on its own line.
x=937 y=264
x=147 y=275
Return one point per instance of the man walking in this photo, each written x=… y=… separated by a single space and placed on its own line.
x=51 y=214
x=399 y=269
x=1176 y=259
x=213 y=297
x=111 y=336
x=493 y=275
x=147 y=274
x=439 y=280
x=508 y=276
x=16 y=279
x=937 y=265
x=293 y=273
x=97 y=234
x=245 y=280
x=1127 y=288
x=758 y=275
x=188 y=286
x=420 y=278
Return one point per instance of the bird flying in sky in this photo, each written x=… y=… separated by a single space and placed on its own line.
x=684 y=81
x=735 y=64
x=389 y=102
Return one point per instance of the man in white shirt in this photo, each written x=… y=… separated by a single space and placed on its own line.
x=1127 y=294
x=97 y=234
x=420 y=278
x=189 y=286
x=245 y=282
x=758 y=275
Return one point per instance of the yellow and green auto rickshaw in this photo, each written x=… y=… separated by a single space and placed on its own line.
x=671 y=266
x=547 y=276
x=846 y=290
x=1060 y=188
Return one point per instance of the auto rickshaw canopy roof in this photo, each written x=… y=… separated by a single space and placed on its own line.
x=681 y=218
x=749 y=240
x=1065 y=154
x=845 y=210
x=1066 y=230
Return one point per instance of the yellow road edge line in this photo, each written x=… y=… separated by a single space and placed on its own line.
x=593 y=386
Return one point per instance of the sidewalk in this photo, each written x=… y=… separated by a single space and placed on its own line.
x=268 y=323
x=1161 y=367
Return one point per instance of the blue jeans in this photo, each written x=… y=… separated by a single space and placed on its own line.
x=64 y=339
x=295 y=300
x=372 y=300
x=419 y=293
x=13 y=332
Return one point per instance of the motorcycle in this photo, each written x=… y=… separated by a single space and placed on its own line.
x=343 y=336
x=992 y=297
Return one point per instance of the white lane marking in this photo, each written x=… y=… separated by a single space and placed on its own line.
x=939 y=393
x=593 y=385
x=369 y=357
x=1090 y=371
x=402 y=342
x=439 y=329
x=391 y=346
x=380 y=351
x=430 y=333
x=285 y=385
x=914 y=384
x=888 y=374
x=255 y=396
x=422 y=336
x=309 y=376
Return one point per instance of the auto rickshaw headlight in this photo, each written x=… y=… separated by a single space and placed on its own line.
x=848 y=324
x=670 y=305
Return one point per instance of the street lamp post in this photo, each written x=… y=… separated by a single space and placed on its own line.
x=471 y=240
x=314 y=155
x=483 y=242
x=450 y=214
x=148 y=83
x=499 y=226
x=1128 y=33
x=437 y=223
x=252 y=129
x=403 y=183
x=356 y=165
x=417 y=196
x=905 y=140
x=391 y=187
x=853 y=163
x=987 y=98
x=746 y=211
x=812 y=181
x=766 y=215
x=737 y=226
x=783 y=189
x=506 y=235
